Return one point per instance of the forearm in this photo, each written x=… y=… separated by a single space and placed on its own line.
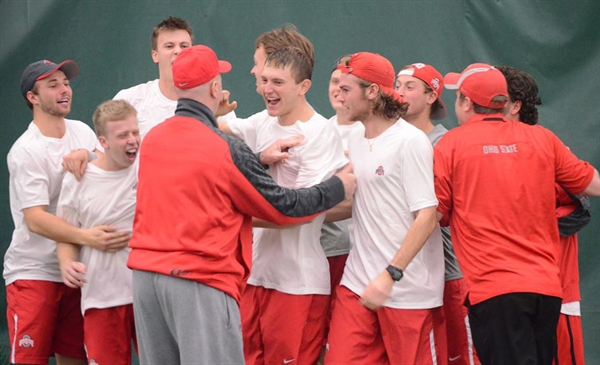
x=416 y=237
x=339 y=212
x=66 y=253
x=50 y=226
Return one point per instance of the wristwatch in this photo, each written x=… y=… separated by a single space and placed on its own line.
x=395 y=273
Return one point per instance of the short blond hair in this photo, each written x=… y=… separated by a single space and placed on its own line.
x=111 y=110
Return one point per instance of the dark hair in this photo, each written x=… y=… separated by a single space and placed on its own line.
x=286 y=36
x=34 y=90
x=170 y=24
x=300 y=65
x=522 y=87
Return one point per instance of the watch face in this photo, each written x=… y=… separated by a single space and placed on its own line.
x=395 y=273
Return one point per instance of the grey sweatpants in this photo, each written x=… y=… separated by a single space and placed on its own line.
x=184 y=322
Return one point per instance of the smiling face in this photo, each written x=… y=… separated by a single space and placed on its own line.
x=52 y=95
x=417 y=94
x=169 y=44
x=260 y=56
x=334 y=90
x=280 y=91
x=121 y=142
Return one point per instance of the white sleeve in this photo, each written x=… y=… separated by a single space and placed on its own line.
x=417 y=162
x=246 y=129
x=29 y=178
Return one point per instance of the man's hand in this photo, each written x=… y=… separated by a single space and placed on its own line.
x=377 y=291
x=75 y=163
x=73 y=274
x=106 y=238
x=278 y=151
x=348 y=179
x=225 y=107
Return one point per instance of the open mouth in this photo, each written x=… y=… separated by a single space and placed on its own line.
x=131 y=153
x=272 y=102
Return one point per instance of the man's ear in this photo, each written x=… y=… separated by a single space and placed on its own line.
x=515 y=107
x=214 y=89
x=305 y=86
x=432 y=97
x=154 y=54
x=31 y=97
x=103 y=143
x=466 y=104
x=372 y=91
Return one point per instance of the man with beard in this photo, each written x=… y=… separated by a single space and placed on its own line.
x=43 y=313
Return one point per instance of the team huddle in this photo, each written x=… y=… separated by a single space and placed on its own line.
x=374 y=237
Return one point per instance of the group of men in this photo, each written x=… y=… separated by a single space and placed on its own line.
x=346 y=252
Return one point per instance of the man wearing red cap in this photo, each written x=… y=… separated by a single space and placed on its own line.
x=421 y=86
x=394 y=273
x=522 y=107
x=43 y=313
x=192 y=242
x=495 y=184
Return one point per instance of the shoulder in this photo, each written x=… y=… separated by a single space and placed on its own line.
x=137 y=92
x=78 y=126
x=318 y=124
x=27 y=143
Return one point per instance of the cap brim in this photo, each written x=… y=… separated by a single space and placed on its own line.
x=440 y=112
x=224 y=67
x=451 y=81
x=69 y=67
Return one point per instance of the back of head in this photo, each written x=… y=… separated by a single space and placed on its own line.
x=286 y=36
x=299 y=63
x=523 y=88
x=372 y=68
x=483 y=84
x=170 y=24
x=111 y=110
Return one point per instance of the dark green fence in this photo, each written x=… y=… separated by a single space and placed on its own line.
x=558 y=42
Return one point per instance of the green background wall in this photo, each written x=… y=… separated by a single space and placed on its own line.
x=558 y=42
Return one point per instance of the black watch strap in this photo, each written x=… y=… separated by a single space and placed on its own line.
x=395 y=272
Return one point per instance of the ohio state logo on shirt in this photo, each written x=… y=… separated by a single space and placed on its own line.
x=26 y=341
x=379 y=171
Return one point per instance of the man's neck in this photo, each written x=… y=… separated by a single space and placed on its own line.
x=420 y=121
x=107 y=164
x=376 y=125
x=166 y=87
x=50 y=125
x=302 y=112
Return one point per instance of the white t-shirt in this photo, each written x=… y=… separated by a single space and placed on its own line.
x=394 y=180
x=291 y=260
x=335 y=236
x=346 y=129
x=36 y=174
x=102 y=197
x=152 y=106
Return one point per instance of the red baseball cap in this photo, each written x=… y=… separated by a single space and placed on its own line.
x=481 y=83
x=196 y=66
x=429 y=75
x=374 y=68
